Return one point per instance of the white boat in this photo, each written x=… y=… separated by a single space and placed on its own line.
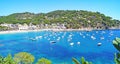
x=99 y=44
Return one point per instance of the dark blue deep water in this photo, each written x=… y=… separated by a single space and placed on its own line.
x=66 y=45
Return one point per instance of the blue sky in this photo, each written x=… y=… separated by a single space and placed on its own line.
x=107 y=7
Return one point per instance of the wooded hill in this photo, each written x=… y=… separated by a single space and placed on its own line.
x=71 y=18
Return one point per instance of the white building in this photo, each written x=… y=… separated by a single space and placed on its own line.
x=23 y=27
x=6 y=25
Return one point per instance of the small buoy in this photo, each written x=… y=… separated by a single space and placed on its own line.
x=99 y=44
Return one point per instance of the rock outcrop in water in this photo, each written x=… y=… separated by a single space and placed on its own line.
x=116 y=43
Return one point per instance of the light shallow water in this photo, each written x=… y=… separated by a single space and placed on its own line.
x=68 y=44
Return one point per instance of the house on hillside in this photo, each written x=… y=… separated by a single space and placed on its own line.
x=6 y=25
x=10 y=26
x=23 y=27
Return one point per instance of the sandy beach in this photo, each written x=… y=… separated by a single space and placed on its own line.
x=15 y=31
x=56 y=30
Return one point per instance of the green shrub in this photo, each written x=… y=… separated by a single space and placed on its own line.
x=116 y=44
x=24 y=58
x=7 y=60
x=83 y=61
x=44 y=61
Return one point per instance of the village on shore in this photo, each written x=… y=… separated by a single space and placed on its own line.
x=24 y=27
x=53 y=27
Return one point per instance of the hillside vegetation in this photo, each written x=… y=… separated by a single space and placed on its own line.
x=71 y=18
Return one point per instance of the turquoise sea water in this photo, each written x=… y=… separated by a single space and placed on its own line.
x=67 y=45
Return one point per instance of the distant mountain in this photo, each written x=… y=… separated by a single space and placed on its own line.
x=72 y=19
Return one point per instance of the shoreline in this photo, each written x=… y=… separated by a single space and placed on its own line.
x=54 y=30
